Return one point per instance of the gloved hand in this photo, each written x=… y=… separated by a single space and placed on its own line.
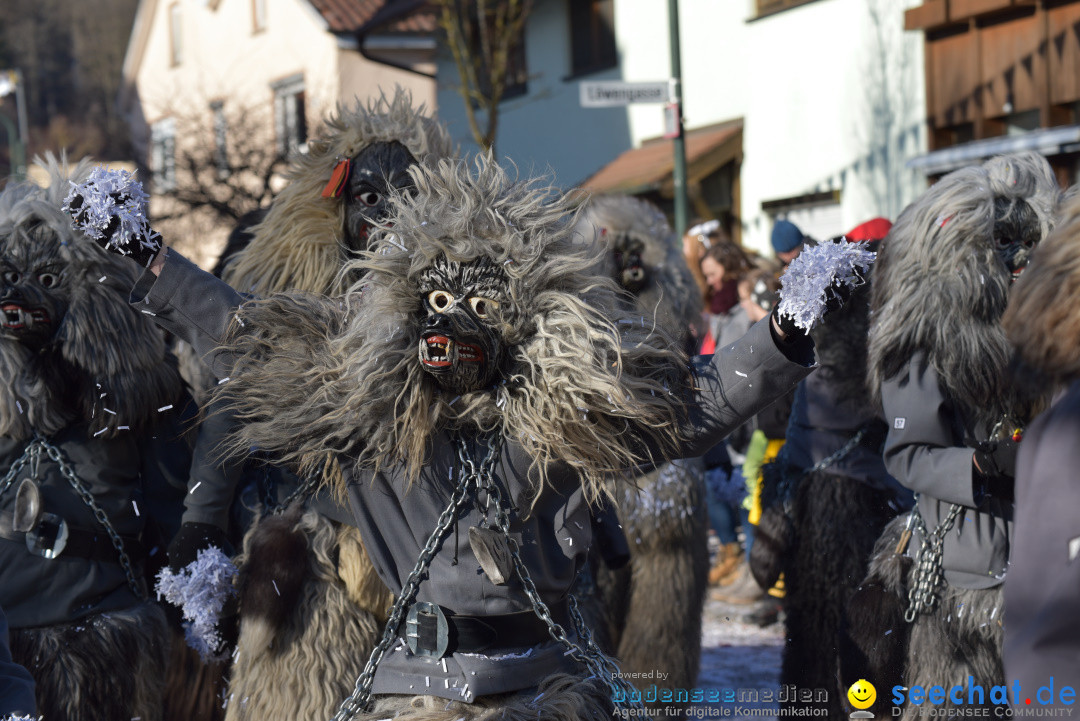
x=835 y=298
x=195 y=537
x=110 y=208
x=995 y=466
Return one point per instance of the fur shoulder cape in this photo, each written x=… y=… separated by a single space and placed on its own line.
x=670 y=296
x=297 y=245
x=939 y=286
x=584 y=382
x=104 y=354
x=1043 y=317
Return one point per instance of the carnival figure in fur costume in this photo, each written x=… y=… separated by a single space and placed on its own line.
x=827 y=496
x=310 y=597
x=479 y=386
x=937 y=363
x=93 y=462
x=653 y=606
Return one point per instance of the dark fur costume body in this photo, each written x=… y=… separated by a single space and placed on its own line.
x=110 y=667
x=107 y=663
x=835 y=519
x=653 y=606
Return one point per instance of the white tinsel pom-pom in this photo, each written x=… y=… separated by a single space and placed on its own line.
x=20 y=718
x=803 y=285
x=201 y=590
x=112 y=198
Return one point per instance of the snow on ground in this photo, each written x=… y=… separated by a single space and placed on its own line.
x=737 y=655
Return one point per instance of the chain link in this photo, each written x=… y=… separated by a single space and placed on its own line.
x=787 y=483
x=928 y=575
x=32 y=455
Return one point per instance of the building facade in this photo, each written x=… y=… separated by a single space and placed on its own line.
x=218 y=91
x=806 y=109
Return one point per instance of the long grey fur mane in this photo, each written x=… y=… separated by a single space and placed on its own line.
x=940 y=288
x=670 y=297
x=585 y=382
x=104 y=354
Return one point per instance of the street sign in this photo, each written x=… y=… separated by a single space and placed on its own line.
x=609 y=94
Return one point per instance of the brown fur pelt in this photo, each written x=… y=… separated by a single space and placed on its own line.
x=109 y=666
x=297 y=246
x=314 y=376
x=655 y=603
x=193 y=689
x=561 y=697
x=104 y=354
x=1043 y=316
x=940 y=287
x=303 y=639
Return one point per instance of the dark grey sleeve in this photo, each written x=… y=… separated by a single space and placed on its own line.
x=738 y=381
x=191 y=304
x=923 y=449
x=213 y=479
x=1042 y=593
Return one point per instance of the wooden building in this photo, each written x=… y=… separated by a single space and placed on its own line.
x=1001 y=75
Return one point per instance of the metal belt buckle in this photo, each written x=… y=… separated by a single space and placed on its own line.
x=426 y=630
x=49 y=537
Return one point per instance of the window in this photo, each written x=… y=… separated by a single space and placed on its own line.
x=290 y=121
x=517 y=75
x=221 y=130
x=592 y=36
x=258 y=15
x=163 y=155
x=176 y=45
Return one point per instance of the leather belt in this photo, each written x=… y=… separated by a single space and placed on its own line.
x=92 y=545
x=475 y=634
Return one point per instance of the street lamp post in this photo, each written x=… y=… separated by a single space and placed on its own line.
x=682 y=203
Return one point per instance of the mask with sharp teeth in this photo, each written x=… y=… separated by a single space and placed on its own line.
x=460 y=345
x=1016 y=233
x=33 y=291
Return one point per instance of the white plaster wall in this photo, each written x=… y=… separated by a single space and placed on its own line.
x=223 y=58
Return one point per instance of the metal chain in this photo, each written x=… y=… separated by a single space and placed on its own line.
x=32 y=455
x=591 y=656
x=785 y=491
x=361 y=696
x=32 y=449
x=928 y=574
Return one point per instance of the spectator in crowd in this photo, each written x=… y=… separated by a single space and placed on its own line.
x=787 y=241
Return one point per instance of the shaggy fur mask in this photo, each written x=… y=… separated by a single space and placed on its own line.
x=1043 y=317
x=84 y=349
x=941 y=280
x=645 y=258
x=305 y=238
x=581 y=380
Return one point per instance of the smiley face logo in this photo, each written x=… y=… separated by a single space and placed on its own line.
x=862 y=694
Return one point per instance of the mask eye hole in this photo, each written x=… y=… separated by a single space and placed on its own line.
x=48 y=280
x=440 y=300
x=483 y=307
x=369 y=198
x=12 y=276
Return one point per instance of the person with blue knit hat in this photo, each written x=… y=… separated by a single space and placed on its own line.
x=787 y=241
